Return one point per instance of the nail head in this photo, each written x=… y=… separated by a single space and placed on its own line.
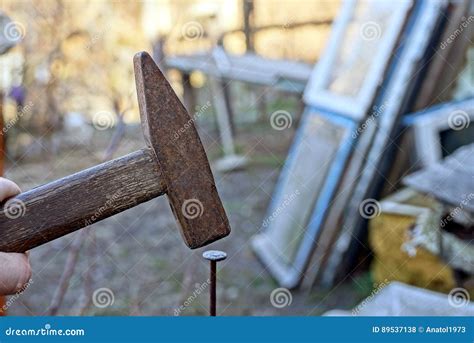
x=214 y=255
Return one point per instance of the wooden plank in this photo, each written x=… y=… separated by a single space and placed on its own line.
x=223 y=116
x=451 y=181
x=286 y=26
x=445 y=65
x=223 y=64
x=220 y=91
x=248 y=68
x=248 y=16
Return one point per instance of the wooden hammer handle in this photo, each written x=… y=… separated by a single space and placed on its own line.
x=73 y=202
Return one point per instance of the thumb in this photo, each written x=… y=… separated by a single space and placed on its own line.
x=15 y=272
x=8 y=189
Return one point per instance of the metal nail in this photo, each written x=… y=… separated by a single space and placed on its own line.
x=213 y=256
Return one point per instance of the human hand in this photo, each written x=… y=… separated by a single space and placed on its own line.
x=15 y=270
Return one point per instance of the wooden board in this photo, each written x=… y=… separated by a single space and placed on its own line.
x=450 y=181
x=286 y=75
x=446 y=63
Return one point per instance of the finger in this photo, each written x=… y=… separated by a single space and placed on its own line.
x=8 y=189
x=15 y=272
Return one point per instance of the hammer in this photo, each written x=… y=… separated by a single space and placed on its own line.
x=175 y=165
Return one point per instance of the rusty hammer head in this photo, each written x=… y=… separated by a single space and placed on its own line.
x=169 y=131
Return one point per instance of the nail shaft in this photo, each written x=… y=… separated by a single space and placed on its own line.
x=213 y=289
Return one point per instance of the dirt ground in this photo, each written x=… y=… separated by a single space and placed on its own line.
x=140 y=257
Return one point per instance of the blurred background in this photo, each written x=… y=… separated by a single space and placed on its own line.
x=69 y=102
